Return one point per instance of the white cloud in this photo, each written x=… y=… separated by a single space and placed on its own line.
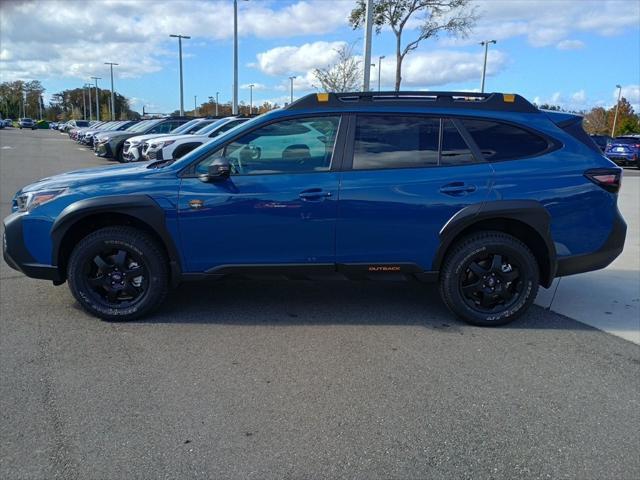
x=547 y=23
x=419 y=69
x=630 y=92
x=443 y=67
x=57 y=38
x=570 y=45
x=290 y=59
x=256 y=86
x=579 y=97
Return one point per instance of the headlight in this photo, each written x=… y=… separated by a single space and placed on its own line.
x=164 y=144
x=30 y=200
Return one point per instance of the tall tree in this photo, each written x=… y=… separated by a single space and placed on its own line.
x=436 y=17
x=344 y=75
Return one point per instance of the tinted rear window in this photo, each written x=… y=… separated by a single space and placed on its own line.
x=499 y=141
x=395 y=142
x=626 y=141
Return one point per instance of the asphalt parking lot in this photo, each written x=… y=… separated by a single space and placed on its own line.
x=274 y=379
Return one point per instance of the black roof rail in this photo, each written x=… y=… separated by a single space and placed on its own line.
x=506 y=102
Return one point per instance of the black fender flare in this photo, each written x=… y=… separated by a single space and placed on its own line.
x=529 y=212
x=141 y=207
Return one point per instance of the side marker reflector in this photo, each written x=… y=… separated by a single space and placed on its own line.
x=322 y=97
x=509 y=97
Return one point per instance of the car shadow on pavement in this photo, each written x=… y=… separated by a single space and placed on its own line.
x=278 y=302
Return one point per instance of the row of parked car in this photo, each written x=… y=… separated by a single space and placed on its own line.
x=154 y=139
x=623 y=150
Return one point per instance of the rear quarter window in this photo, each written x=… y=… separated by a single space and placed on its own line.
x=500 y=141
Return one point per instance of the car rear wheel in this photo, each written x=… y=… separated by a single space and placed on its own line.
x=118 y=273
x=489 y=279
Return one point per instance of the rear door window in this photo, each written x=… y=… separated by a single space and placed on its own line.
x=392 y=141
x=499 y=141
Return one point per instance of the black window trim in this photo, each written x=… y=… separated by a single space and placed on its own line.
x=337 y=157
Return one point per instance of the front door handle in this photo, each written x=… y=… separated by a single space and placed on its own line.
x=457 y=189
x=314 y=194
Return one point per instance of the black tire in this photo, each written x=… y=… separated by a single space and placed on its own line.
x=97 y=273
x=119 y=156
x=489 y=279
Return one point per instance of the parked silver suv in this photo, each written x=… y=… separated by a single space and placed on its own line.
x=27 y=123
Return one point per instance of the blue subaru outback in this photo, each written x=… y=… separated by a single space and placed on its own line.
x=483 y=193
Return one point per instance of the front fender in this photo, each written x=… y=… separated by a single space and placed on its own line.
x=140 y=207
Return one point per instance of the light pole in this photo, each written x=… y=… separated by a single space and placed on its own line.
x=84 y=102
x=97 y=98
x=88 y=87
x=485 y=44
x=234 y=105
x=113 y=103
x=292 y=78
x=180 y=37
x=615 y=117
x=368 y=26
x=379 y=69
x=195 y=108
x=217 y=93
x=251 y=85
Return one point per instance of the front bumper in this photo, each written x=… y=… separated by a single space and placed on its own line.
x=18 y=257
x=104 y=150
x=134 y=153
x=599 y=259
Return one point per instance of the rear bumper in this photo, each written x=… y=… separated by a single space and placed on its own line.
x=18 y=257
x=599 y=259
x=622 y=159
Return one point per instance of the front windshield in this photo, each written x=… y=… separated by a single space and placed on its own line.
x=110 y=125
x=141 y=126
x=185 y=127
x=211 y=127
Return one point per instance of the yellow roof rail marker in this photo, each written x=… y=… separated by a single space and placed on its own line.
x=322 y=97
x=509 y=97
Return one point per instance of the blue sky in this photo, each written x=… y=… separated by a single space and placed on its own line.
x=567 y=52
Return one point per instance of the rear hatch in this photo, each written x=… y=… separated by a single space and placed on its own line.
x=572 y=124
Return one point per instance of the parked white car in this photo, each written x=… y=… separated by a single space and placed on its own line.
x=175 y=146
x=132 y=150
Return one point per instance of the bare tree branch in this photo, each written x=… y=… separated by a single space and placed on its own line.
x=440 y=16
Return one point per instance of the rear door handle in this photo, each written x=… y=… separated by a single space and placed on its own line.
x=457 y=188
x=314 y=194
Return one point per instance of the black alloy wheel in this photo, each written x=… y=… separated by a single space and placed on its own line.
x=490 y=283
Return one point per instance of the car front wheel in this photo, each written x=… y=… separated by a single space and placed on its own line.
x=489 y=278
x=118 y=273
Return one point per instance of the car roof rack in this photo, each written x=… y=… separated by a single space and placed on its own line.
x=506 y=102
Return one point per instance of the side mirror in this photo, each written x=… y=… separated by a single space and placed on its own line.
x=218 y=171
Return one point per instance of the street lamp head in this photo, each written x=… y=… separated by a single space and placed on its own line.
x=381 y=57
x=618 y=86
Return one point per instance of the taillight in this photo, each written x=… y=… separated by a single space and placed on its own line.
x=608 y=178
